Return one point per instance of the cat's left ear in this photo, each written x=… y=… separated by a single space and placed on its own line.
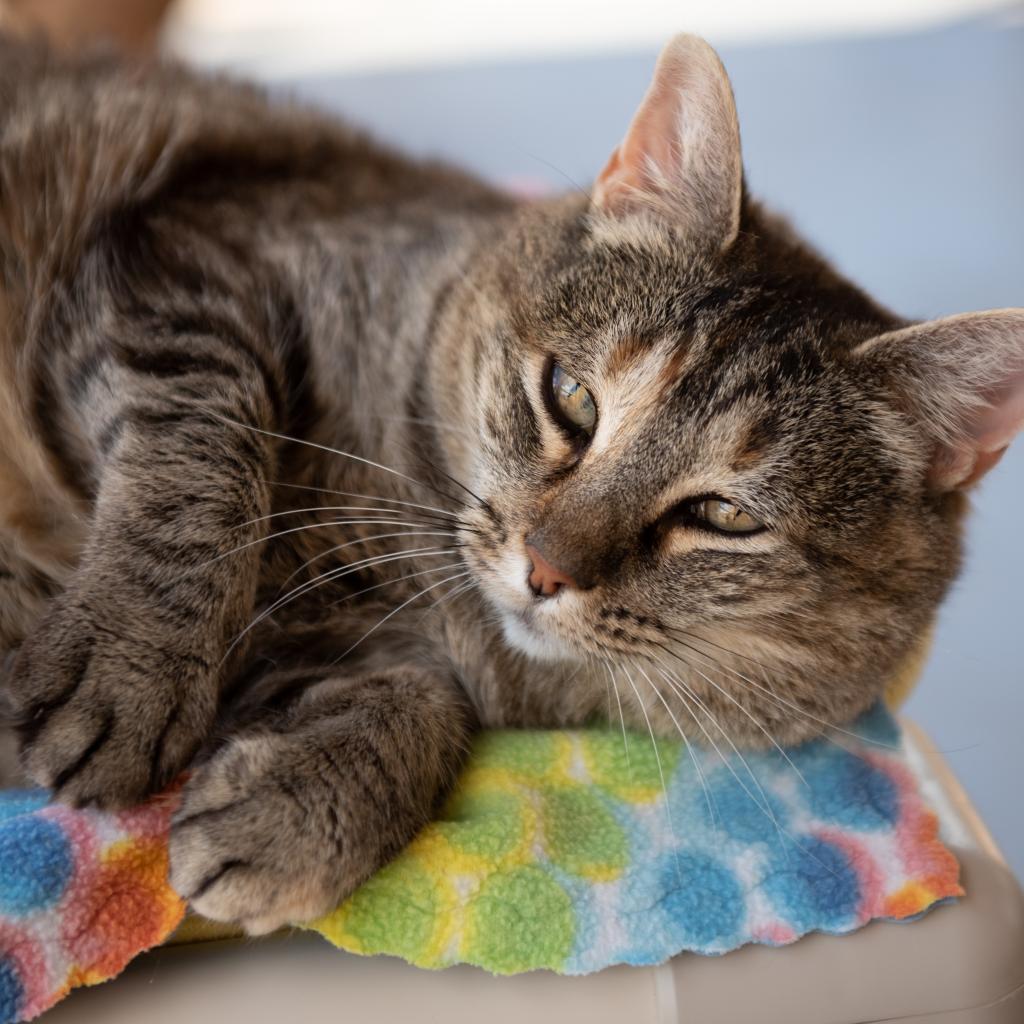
x=962 y=379
x=681 y=155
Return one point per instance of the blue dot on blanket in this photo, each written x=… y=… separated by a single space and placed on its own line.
x=703 y=899
x=35 y=864
x=813 y=885
x=11 y=992
x=740 y=811
x=853 y=793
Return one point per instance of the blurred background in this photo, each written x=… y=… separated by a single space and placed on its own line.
x=890 y=131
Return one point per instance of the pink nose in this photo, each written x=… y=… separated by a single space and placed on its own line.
x=545 y=579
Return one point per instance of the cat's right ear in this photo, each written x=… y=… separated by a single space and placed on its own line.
x=961 y=379
x=681 y=156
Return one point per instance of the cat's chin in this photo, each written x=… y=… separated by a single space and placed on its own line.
x=523 y=636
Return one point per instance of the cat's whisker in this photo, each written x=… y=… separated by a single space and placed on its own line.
x=657 y=758
x=591 y=662
x=347 y=455
x=725 y=693
x=430 y=519
x=321 y=526
x=674 y=681
x=622 y=717
x=453 y=594
x=367 y=497
x=771 y=694
x=399 y=579
x=358 y=541
x=680 y=687
x=783 y=833
x=686 y=743
x=394 y=612
x=327 y=577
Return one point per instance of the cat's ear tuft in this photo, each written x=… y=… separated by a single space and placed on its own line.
x=962 y=379
x=681 y=155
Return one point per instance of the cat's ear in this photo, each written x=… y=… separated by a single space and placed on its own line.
x=681 y=155
x=962 y=379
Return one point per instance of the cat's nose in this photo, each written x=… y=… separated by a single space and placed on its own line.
x=545 y=580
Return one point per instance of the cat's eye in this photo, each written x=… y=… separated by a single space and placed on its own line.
x=724 y=516
x=570 y=402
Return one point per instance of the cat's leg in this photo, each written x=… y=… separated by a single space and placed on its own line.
x=117 y=686
x=290 y=816
x=24 y=592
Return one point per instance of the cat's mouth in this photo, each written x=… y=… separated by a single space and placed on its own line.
x=524 y=633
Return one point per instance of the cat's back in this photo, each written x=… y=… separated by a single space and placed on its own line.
x=108 y=165
x=83 y=140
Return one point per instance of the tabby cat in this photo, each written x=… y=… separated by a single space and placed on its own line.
x=315 y=459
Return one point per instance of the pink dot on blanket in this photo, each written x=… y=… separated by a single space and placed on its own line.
x=25 y=971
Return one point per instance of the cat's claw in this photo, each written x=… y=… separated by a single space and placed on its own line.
x=104 y=718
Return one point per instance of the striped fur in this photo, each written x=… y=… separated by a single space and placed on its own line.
x=205 y=299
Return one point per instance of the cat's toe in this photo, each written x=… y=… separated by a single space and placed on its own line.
x=247 y=848
x=104 y=718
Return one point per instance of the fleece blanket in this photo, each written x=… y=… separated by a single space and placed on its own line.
x=569 y=851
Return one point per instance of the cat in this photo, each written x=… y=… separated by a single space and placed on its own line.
x=316 y=459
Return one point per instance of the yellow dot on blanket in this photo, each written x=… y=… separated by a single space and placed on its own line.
x=628 y=767
x=520 y=921
x=527 y=756
x=395 y=912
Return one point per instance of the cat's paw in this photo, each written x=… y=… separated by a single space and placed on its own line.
x=108 y=710
x=257 y=840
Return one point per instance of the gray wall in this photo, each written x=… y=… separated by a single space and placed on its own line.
x=903 y=158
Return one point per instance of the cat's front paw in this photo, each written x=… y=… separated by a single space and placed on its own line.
x=258 y=840
x=108 y=710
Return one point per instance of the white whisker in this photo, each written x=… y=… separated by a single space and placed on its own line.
x=366 y=497
x=657 y=758
x=320 y=526
x=725 y=693
x=391 y=614
x=338 y=451
x=326 y=577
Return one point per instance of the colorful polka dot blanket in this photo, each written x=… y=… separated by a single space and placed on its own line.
x=570 y=851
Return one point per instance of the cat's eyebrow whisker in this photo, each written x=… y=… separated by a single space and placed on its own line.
x=725 y=693
x=326 y=577
x=770 y=693
x=343 y=454
x=391 y=614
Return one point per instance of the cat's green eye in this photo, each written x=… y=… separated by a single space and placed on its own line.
x=724 y=516
x=570 y=402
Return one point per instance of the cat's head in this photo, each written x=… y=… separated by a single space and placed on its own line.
x=708 y=461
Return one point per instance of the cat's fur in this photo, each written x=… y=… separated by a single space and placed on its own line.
x=190 y=274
